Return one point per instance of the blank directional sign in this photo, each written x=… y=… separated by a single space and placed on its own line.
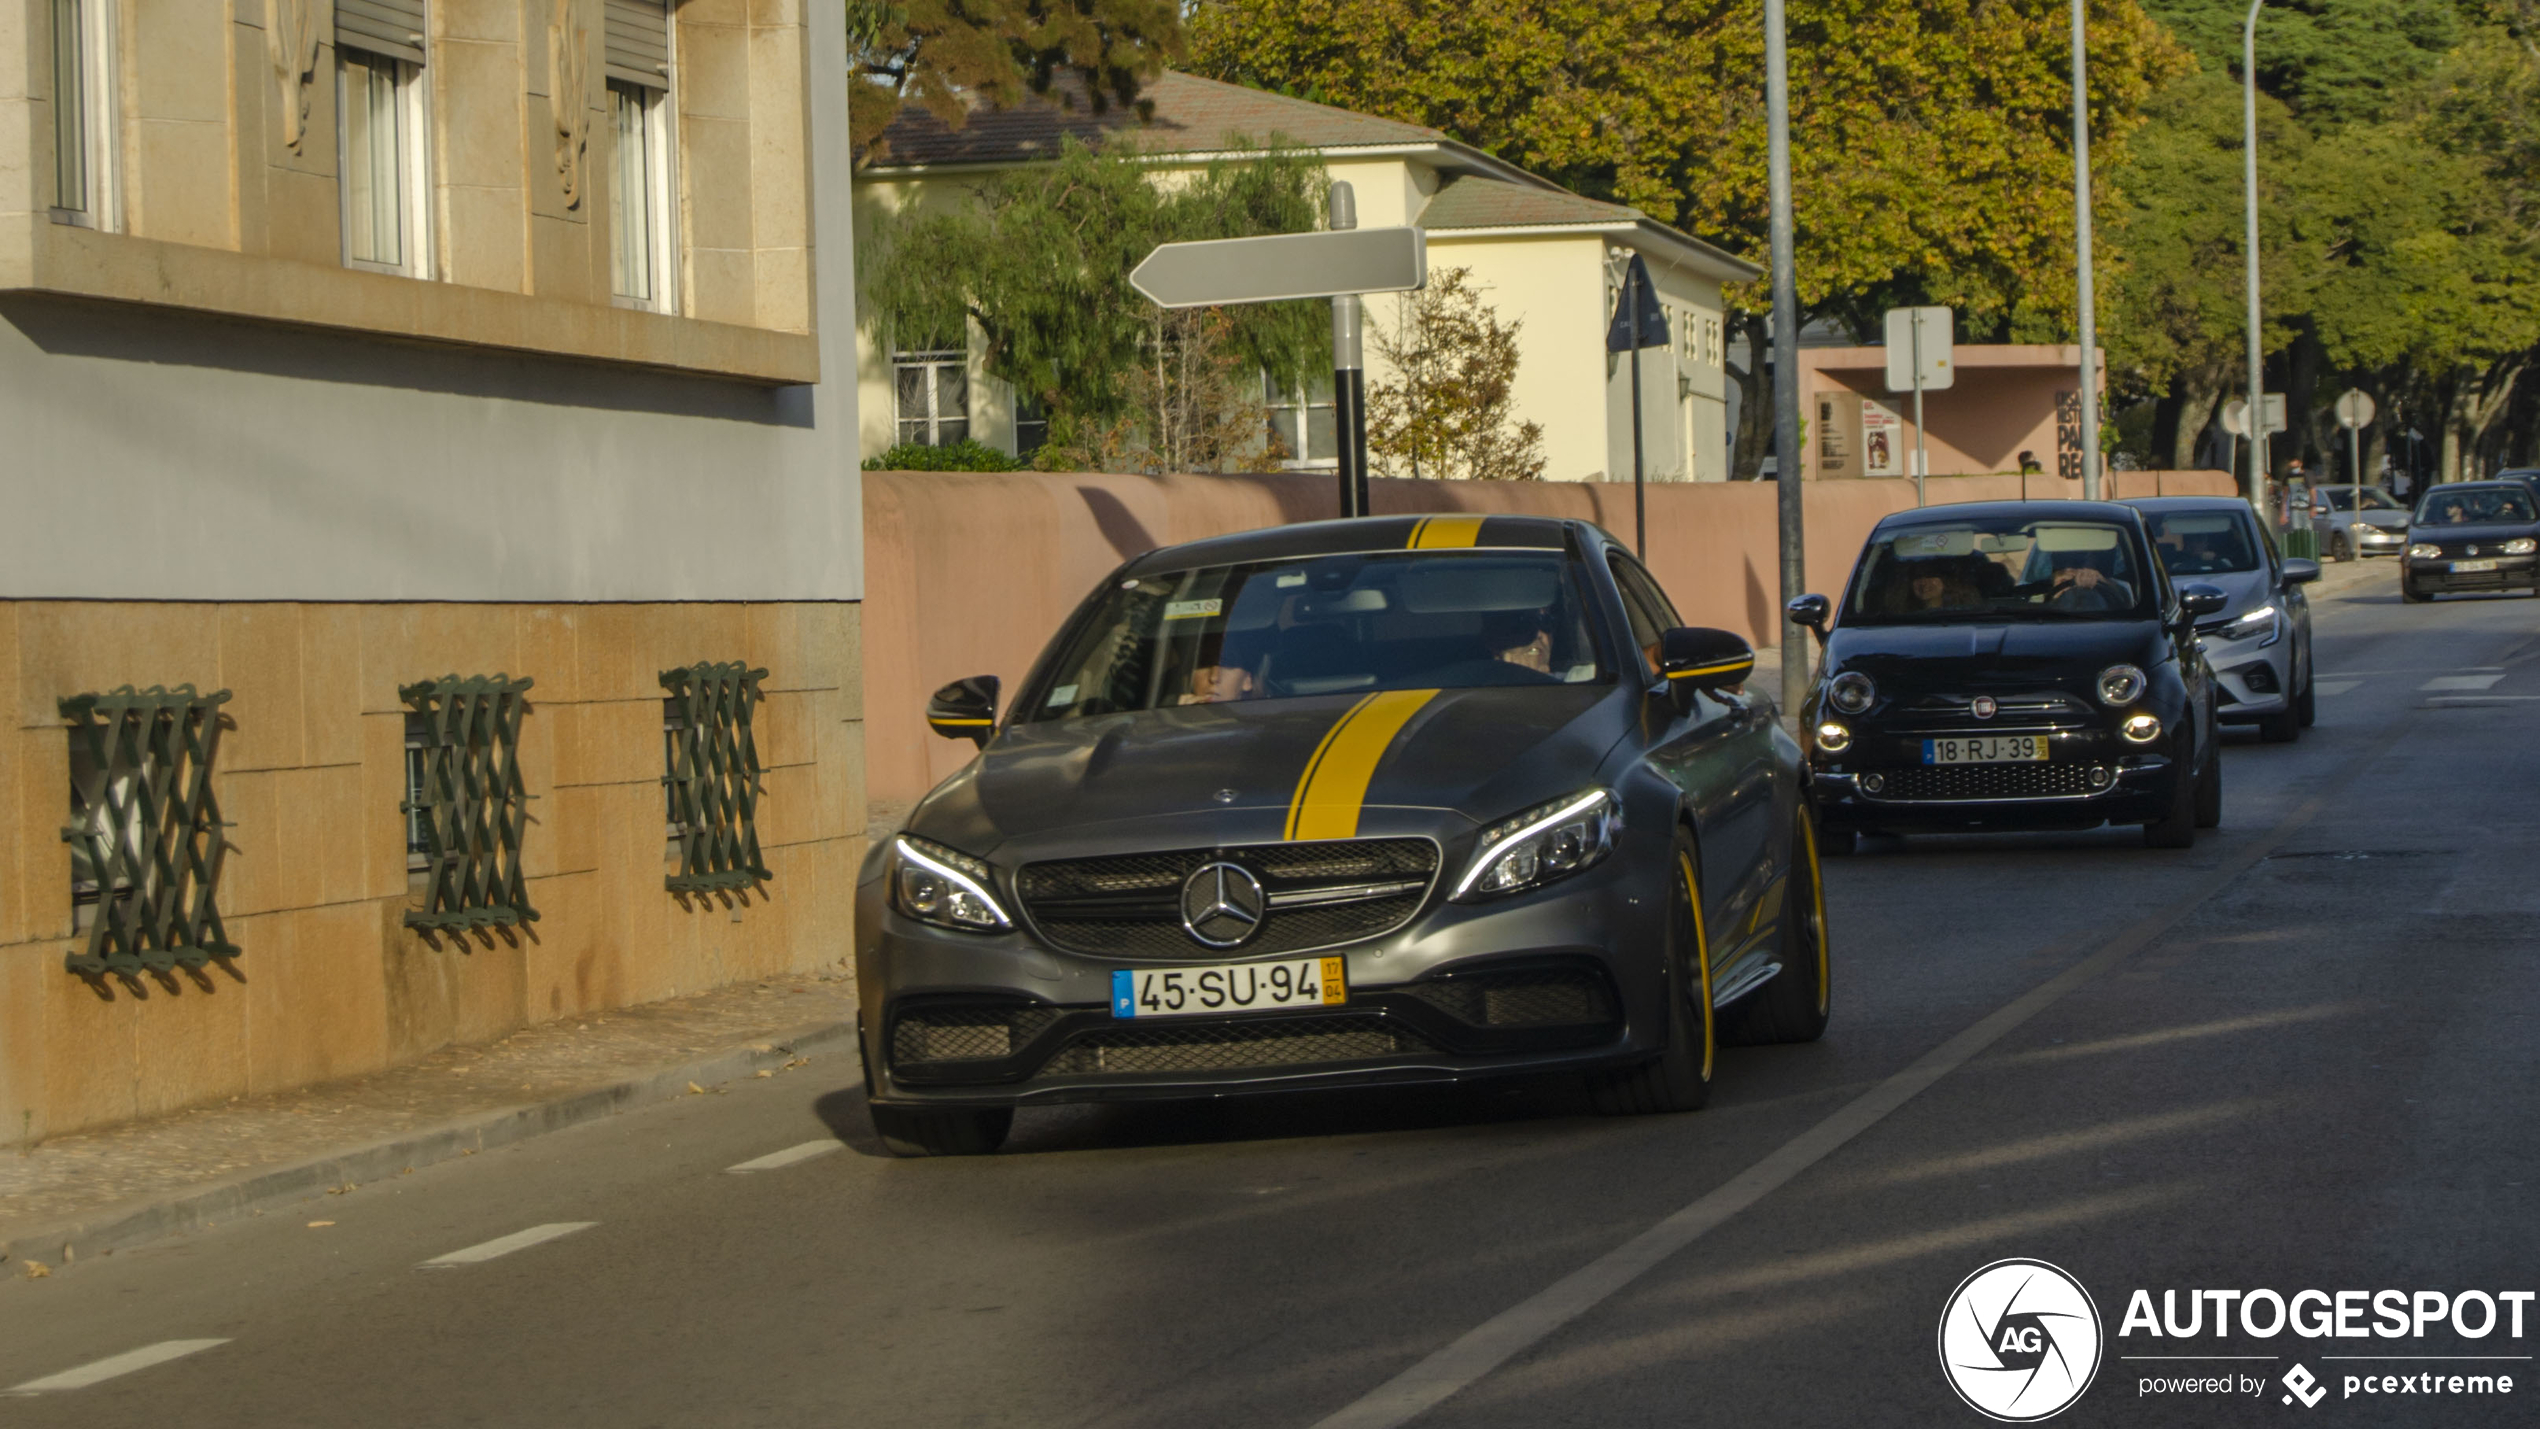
x=2354 y=409
x=1938 y=341
x=1284 y=266
x=2235 y=415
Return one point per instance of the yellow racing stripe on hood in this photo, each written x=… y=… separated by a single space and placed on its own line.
x=1438 y=533
x=1334 y=786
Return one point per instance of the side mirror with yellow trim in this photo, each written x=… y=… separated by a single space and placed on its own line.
x=1695 y=657
x=965 y=709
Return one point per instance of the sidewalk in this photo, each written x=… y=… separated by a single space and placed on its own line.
x=97 y=1191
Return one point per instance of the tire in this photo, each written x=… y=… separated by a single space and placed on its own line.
x=1679 y=1078
x=2209 y=795
x=911 y=1131
x=1838 y=843
x=1794 y=1006
x=2306 y=705
x=2338 y=550
x=2410 y=594
x=2176 y=828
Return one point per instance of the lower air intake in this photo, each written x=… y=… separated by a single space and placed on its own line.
x=1989 y=781
x=1288 y=1042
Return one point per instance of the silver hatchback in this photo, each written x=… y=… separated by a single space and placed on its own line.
x=2259 y=643
x=2375 y=526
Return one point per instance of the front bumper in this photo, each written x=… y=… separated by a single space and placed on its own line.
x=1565 y=977
x=2091 y=777
x=2374 y=541
x=2252 y=679
x=2438 y=575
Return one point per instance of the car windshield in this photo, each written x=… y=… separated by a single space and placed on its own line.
x=2488 y=506
x=2342 y=498
x=2203 y=543
x=2000 y=568
x=1322 y=625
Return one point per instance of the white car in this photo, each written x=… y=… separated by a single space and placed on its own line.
x=2380 y=530
x=2259 y=643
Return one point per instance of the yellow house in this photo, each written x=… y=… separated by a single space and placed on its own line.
x=1541 y=255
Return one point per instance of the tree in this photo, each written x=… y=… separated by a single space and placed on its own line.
x=1931 y=137
x=950 y=54
x=1037 y=258
x=1445 y=413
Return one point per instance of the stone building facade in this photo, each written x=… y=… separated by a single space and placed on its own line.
x=361 y=360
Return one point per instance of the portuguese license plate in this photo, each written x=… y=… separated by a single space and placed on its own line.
x=2470 y=566
x=1228 y=987
x=1985 y=749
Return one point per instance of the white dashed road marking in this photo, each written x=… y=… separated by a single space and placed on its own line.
x=778 y=1160
x=2460 y=682
x=505 y=1245
x=114 y=1365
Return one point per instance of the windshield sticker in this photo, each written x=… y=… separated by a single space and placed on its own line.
x=1192 y=609
x=1063 y=695
x=1296 y=579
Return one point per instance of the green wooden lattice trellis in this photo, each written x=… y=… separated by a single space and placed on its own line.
x=475 y=809
x=713 y=778
x=149 y=828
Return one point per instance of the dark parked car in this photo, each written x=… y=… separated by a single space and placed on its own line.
x=1356 y=803
x=2472 y=535
x=2259 y=644
x=2013 y=665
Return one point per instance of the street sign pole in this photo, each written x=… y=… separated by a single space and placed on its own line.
x=2081 y=261
x=2354 y=413
x=1349 y=373
x=2256 y=490
x=1640 y=492
x=1791 y=471
x=1922 y=450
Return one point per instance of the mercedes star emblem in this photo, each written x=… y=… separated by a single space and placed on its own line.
x=1222 y=904
x=1983 y=707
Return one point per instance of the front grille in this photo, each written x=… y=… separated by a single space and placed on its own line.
x=1235 y=1046
x=1988 y=781
x=1527 y=997
x=965 y=1034
x=1130 y=905
x=2026 y=710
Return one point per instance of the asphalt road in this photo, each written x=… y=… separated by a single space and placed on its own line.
x=2301 y=1055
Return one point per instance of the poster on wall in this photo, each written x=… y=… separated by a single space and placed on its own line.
x=1882 y=440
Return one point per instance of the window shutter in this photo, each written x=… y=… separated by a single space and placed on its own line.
x=638 y=49
x=383 y=27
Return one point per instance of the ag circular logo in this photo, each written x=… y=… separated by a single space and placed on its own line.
x=1223 y=904
x=2019 y=1340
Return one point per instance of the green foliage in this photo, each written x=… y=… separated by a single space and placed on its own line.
x=949 y=54
x=2332 y=62
x=964 y=455
x=1445 y=412
x=1039 y=258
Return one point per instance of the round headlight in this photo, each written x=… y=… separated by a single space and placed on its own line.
x=2141 y=729
x=1833 y=738
x=2120 y=685
x=2425 y=550
x=2521 y=546
x=1851 y=692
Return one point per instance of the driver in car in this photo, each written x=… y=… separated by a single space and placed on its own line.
x=1519 y=637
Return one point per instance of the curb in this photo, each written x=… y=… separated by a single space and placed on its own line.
x=139 y=1222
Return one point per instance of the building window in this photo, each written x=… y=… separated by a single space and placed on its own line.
x=380 y=101
x=932 y=392
x=418 y=820
x=1031 y=424
x=471 y=801
x=710 y=776
x=145 y=833
x=639 y=196
x=1301 y=432
x=83 y=88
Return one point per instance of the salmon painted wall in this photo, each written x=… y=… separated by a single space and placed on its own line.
x=970 y=573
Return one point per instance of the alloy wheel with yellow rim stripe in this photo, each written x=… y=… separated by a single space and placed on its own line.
x=1701 y=961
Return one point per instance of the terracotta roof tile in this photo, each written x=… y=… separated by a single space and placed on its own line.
x=1186 y=114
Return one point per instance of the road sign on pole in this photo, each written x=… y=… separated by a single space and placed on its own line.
x=1342 y=262
x=2354 y=413
x=1921 y=356
x=1640 y=320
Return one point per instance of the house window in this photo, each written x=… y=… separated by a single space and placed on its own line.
x=380 y=100
x=710 y=774
x=933 y=395
x=145 y=832
x=1301 y=421
x=83 y=83
x=639 y=197
x=1031 y=425
x=473 y=802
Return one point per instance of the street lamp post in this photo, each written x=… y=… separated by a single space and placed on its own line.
x=2081 y=260
x=2256 y=487
x=1791 y=470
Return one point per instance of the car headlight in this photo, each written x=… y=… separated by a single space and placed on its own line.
x=1833 y=738
x=2521 y=546
x=2120 y=685
x=1546 y=842
x=2425 y=550
x=1851 y=692
x=2141 y=729
x=934 y=884
x=2264 y=621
